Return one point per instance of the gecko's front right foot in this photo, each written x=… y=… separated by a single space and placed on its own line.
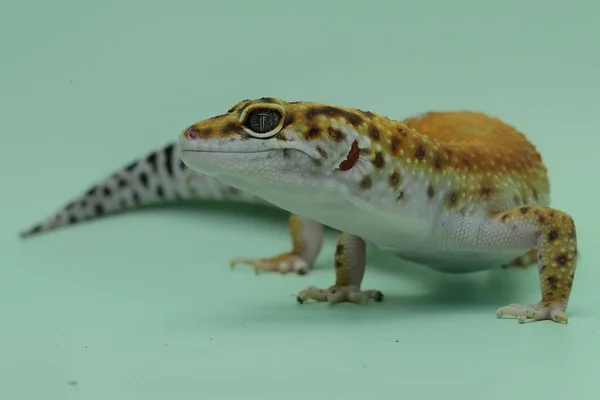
x=283 y=263
x=338 y=294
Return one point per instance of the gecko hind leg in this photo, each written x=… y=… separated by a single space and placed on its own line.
x=349 y=270
x=307 y=238
x=554 y=235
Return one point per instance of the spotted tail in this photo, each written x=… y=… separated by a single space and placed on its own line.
x=158 y=177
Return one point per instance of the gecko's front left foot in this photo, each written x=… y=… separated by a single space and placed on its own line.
x=339 y=294
x=307 y=237
x=537 y=312
x=282 y=263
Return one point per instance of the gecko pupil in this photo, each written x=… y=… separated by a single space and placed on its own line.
x=262 y=121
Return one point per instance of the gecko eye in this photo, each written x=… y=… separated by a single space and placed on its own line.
x=262 y=121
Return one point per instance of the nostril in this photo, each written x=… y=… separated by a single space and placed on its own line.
x=191 y=132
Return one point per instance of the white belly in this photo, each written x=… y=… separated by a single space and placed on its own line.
x=418 y=230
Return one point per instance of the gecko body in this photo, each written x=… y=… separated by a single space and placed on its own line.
x=458 y=191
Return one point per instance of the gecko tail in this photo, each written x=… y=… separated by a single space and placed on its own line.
x=158 y=177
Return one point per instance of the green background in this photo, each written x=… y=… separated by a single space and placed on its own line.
x=144 y=305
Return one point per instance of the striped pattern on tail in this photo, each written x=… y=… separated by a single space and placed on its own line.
x=158 y=177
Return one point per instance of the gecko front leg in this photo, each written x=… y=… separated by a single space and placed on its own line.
x=307 y=239
x=350 y=265
x=553 y=233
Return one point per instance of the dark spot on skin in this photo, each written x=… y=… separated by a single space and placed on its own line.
x=430 y=191
x=152 y=160
x=394 y=144
x=99 y=209
x=91 y=191
x=552 y=235
x=301 y=272
x=420 y=151
x=394 y=179
x=160 y=192
x=338 y=264
x=351 y=158
x=552 y=280
x=366 y=182
x=339 y=249
x=312 y=133
x=485 y=191
x=437 y=161
x=524 y=210
x=34 y=230
x=205 y=132
x=168 y=152
x=144 y=179
x=543 y=266
x=400 y=195
x=561 y=260
x=267 y=100
x=322 y=152
x=230 y=128
x=288 y=120
x=72 y=219
x=334 y=112
x=378 y=161
x=541 y=219
x=106 y=191
x=287 y=153
x=373 y=132
x=136 y=198
x=336 y=134
x=452 y=198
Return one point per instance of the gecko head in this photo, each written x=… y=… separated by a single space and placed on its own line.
x=269 y=145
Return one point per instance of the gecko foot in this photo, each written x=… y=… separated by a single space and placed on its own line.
x=336 y=294
x=282 y=263
x=538 y=311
